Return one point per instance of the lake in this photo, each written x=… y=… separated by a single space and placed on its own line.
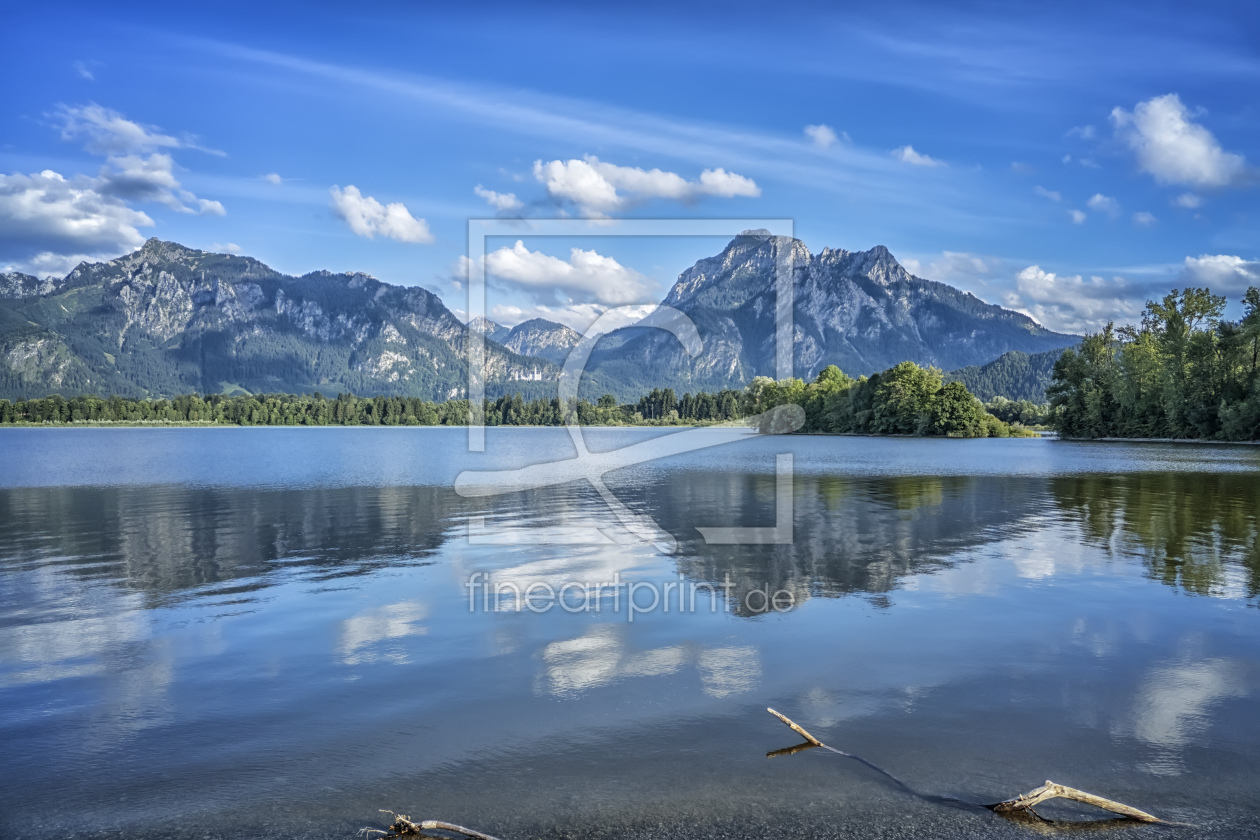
x=271 y=632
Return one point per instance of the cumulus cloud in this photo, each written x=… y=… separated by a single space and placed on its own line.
x=497 y=200
x=273 y=178
x=599 y=188
x=823 y=136
x=369 y=218
x=907 y=154
x=226 y=248
x=1053 y=195
x=1175 y=149
x=1222 y=273
x=1104 y=204
x=1072 y=303
x=1189 y=201
x=586 y=274
x=136 y=169
x=45 y=216
x=51 y=211
x=1078 y=217
x=1084 y=132
x=1144 y=219
x=152 y=178
x=52 y=222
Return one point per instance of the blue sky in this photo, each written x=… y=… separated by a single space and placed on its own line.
x=1068 y=160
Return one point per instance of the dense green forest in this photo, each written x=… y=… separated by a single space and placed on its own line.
x=906 y=399
x=1015 y=376
x=1184 y=372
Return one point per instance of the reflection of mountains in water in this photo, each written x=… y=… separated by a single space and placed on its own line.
x=851 y=535
x=1198 y=532
x=162 y=540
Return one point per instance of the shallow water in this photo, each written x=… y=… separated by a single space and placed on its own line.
x=267 y=632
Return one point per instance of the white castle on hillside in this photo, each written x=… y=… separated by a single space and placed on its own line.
x=536 y=376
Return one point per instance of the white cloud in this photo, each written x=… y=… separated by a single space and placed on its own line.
x=1189 y=201
x=600 y=188
x=1100 y=203
x=152 y=178
x=1084 y=132
x=136 y=168
x=84 y=69
x=586 y=274
x=1078 y=216
x=110 y=133
x=47 y=263
x=498 y=200
x=1144 y=219
x=226 y=248
x=1072 y=303
x=273 y=178
x=823 y=136
x=1222 y=273
x=578 y=316
x=368 y=217
x=43 y=215
x=1053 y=195
x=907 y=154
x=1174 y=148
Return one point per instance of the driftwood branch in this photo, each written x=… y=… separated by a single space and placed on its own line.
x=1050 y=790
x=403 y=826
x=1020 y=805
x=798 y=730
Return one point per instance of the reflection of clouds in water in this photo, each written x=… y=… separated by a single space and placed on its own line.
x=729 y=670
x=580 y=570
x=362 y=634
x=599 y=657
x=1174 y=704
x=97 y=625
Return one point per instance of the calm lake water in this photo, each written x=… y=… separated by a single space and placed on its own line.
x=267 y=633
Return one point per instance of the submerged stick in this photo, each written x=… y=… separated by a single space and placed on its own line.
x=403 y=826
x=1051 y=790
x=1022 y=804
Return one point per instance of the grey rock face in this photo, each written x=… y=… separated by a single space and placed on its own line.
x=15 y=284
x=859 y=310
x=542 y=338
x=169 y=319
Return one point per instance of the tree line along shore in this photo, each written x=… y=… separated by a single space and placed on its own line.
x=904 y=400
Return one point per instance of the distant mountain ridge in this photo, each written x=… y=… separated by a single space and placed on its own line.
x=168 y=319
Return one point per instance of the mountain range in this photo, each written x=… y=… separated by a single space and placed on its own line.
x=168 y=319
